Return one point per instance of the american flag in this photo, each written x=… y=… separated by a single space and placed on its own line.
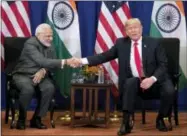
x=14 y=22
x=110 y=27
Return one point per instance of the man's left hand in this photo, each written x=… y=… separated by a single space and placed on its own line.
x=147 y=83
x=39 y=76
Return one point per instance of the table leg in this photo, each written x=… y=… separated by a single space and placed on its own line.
x=107 y=112
x=72 y=106
x=84 y=103
x=96 y=104
x=90 y=105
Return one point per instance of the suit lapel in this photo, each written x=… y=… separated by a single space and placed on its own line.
x=144 y=52
x=128 y=51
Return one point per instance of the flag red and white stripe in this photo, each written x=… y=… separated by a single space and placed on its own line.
x=14 y=22
x=111 y=27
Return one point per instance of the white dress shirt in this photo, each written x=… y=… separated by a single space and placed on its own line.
x=84 y=61
x=132 y=60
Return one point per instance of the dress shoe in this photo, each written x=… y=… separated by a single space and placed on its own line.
x=36 y=123
x=168 y=123
x=20 y=124
x=170 y=127
x=125 y=128
x=160 y=125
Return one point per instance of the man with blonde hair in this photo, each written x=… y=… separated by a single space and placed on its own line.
x=142 y=70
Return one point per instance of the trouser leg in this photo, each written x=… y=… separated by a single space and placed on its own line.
x=167 y=93
x=47 y=90
x=26 y=88
x=131 y=88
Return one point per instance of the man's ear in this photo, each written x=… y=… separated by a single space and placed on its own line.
x=142 y=28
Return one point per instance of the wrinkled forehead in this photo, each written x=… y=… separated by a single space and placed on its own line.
x=47 y=30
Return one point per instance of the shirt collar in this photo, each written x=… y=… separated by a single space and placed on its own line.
x=139 y=41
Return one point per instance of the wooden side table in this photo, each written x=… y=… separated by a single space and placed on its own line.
x=93 y=90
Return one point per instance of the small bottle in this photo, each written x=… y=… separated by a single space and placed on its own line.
x=101 y=75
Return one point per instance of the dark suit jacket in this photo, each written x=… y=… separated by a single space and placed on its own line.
x=35 y=56
x=153 y=57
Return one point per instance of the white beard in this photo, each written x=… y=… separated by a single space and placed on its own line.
x=45 y=43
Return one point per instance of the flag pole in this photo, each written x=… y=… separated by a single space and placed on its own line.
x=115 y=115
x=66 y=118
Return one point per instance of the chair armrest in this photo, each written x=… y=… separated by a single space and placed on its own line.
x=11 y=87
x=175 y=79
x=177 y=75
x=9 y=76
x=8 y=80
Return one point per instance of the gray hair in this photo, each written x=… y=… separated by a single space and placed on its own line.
x=40 y=28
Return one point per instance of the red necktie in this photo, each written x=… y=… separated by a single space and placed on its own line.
x=137 y=59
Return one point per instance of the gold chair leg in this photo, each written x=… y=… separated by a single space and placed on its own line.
x=115 y=115
x=66 y=118
x=16 y=115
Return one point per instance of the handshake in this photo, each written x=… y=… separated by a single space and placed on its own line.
x=73 y=62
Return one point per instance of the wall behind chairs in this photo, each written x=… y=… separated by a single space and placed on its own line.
x=88 y=12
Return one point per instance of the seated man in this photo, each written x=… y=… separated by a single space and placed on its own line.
x=33 y=69
x=142 y=69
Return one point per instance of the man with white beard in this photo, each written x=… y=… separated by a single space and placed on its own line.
x=32 y=70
